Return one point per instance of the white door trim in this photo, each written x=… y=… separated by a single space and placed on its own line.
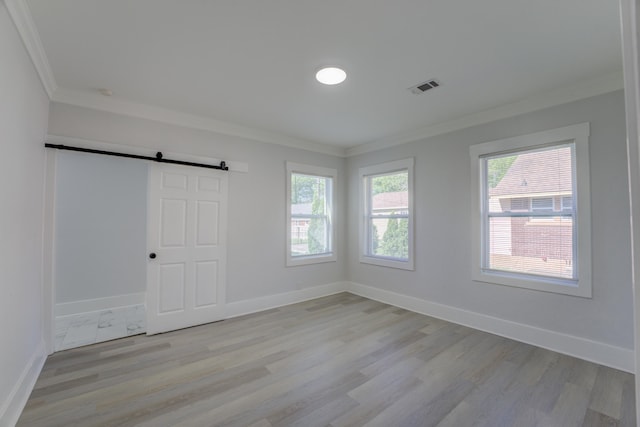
x=48 y=251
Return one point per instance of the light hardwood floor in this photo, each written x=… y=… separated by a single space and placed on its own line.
x=342 y=360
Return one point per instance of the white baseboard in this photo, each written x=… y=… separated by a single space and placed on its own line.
x=582 y=348
x=16 y=400
x=254 y=305
x=593 y=351
x=89 y=305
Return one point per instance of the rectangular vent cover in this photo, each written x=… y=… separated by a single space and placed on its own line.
x=423 y=87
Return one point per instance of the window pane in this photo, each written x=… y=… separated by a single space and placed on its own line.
x=299 y=236
x=309 y=236
x=539 y=181
x=513 y=181
x=309 y=196
x=390 y=237
x=525 y=246
x=389 y=194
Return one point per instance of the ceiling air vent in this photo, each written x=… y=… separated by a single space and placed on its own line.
x=423 y=87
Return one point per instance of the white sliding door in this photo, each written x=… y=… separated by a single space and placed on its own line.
x=187 y=221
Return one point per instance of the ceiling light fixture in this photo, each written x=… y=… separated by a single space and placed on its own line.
x=331 y=75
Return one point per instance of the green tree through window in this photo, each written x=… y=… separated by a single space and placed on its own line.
x=497 y=169
x=390 y=184
x=395 y=242
x=388 y=198
x=303 y=188
x=317 y=226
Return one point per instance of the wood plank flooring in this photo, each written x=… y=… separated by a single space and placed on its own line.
x=340 y=361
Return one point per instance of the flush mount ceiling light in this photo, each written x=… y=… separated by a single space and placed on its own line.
x=331 y=75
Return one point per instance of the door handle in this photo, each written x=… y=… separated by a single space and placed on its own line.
x=152 y=255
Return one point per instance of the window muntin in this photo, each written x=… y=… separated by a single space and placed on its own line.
x=532 y=227
x=387 y=220
x=310 y=207
x=537 y=242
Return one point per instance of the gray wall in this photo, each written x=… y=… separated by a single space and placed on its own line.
x=101 y=226
x=443 y=226
x=23 y=126
x=256 y=229
x=443 y=231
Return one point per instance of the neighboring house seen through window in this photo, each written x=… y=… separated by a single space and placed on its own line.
x=533 y=189
x=533 y=241
x=387 y=214
x=310 y=214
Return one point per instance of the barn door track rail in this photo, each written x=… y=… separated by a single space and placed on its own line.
x=158 y=158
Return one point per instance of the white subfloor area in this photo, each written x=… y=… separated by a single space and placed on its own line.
x=82 y=329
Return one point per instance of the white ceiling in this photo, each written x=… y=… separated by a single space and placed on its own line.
x=252 y=62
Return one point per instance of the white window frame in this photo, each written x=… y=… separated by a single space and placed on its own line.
x=364 y=211
x=321 y=172
x=578 y=135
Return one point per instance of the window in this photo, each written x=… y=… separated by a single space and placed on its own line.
x=386 y=228
x=310 y=214
x=541 y=204
x=519 y=204
x=532 y=221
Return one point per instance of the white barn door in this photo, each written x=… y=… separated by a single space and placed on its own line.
x=187 y=221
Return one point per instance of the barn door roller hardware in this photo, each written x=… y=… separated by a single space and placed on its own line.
x=158 y=158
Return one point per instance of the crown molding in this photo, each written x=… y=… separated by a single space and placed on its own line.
x=149 y=112
x=22 y=19
x=584 y=89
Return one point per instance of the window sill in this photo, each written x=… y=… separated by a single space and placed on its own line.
x=387 y=262
x=310 y=259
x=536 y=283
